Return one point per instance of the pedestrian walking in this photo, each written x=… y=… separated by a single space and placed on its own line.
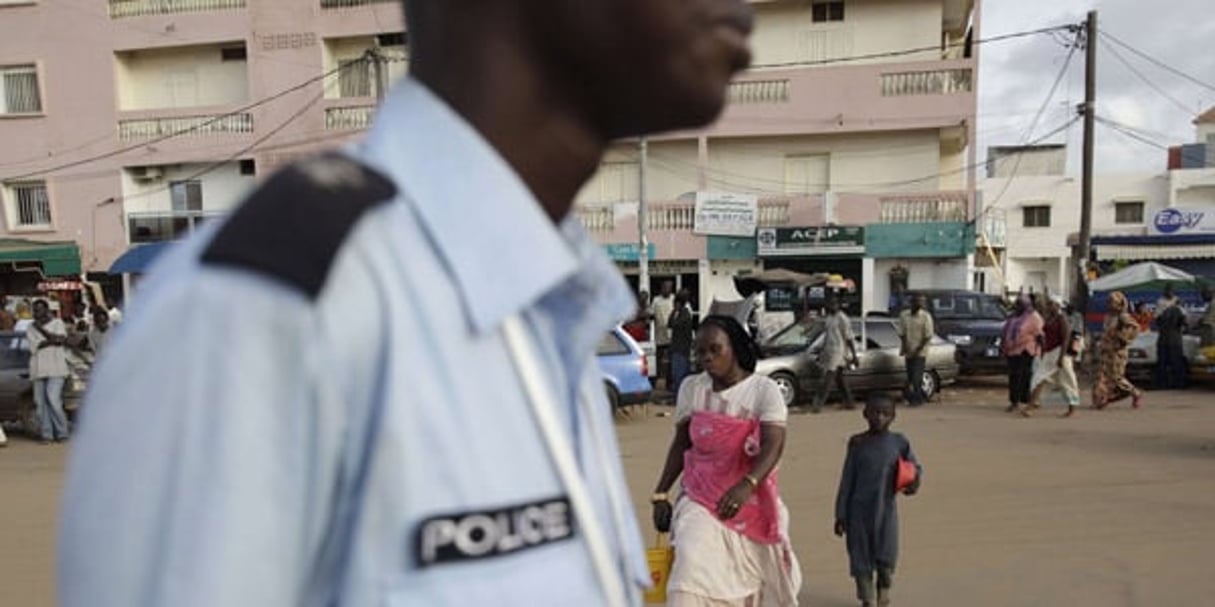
x=729 y=526
x=662 y=305
x=1055 y=368
x=838 y=351
x=1021 y=343
x=1119 y=331
x=866 y=505
x=375 y=383
x=683 y=327
x=48 y=339
x=1170 y=354
x=916 y=331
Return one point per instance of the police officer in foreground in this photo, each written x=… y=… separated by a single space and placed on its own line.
x=403 y=408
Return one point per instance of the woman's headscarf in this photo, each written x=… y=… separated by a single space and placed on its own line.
x=1012 y=332
x=744 y=349
x=1117 y=302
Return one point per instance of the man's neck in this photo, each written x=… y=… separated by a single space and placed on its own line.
x=505 y=94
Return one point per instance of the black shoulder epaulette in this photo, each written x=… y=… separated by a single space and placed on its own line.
x=291 y=228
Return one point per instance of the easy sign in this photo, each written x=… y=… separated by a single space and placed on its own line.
x=1176 y=221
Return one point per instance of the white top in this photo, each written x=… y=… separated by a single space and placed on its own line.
x=662 y=307
x=757 y=396
x=50 y=361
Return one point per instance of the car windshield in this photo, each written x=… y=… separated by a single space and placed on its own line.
x=966 y=307
x=796 y=335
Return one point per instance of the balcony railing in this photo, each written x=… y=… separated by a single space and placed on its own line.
x=929 y=82
x=185 y=126
x=351 y=3
x=995 y=228
x=354 y=118
x=760 y=91
x=158 y=226
x=926 y=208
x=598 y=219
x=140 y=8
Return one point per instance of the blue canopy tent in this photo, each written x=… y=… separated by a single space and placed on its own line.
x=139 y=257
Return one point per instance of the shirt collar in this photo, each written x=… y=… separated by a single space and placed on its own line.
x=503 y=252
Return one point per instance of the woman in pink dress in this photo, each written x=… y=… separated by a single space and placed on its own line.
x=729 y=526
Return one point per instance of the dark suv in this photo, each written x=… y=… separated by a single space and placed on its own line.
x=973 y=321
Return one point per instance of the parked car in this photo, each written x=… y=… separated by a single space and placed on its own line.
x=1142 y=359
x=625 y=369
x=790 y=359
x=16 y=389
x=1202 y=366
x=973 y=322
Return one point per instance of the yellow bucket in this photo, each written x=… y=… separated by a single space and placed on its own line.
x=660 y=558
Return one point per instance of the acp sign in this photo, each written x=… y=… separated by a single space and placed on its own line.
x=1176 y=221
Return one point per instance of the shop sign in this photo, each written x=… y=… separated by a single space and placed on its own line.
x=1176 y=221
x=627 y=251
x=722 y=214
x=60 y=285
x=813 y=240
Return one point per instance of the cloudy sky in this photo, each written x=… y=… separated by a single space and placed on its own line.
x=1016 y=75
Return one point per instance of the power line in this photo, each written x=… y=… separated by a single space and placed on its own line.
x=1152 y=85
x=181 y=132
x=912 y=51
x=1132 y=133
x=1156 y=62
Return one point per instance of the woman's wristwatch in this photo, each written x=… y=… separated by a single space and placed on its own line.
x=659 y=497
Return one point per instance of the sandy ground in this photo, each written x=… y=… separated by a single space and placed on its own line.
x=1105 y=509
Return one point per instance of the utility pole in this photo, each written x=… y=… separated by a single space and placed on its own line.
x=377 y=60
x=1086 y=178
x=643 y=219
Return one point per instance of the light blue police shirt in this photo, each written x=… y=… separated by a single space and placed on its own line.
x=244 y=443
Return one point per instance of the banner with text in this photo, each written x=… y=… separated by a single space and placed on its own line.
x=721 y=214
x=1177 y=221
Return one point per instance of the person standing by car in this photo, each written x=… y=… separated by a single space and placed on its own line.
x=405 y=408
x=682 y=326
x=1022 y=342
x=1170 y=354
x=839 y=349
x=99 y=334
x=47 y=337
x=1055 y=366
x=662 y=306
x=916 y=330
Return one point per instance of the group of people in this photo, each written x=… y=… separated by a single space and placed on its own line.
x=674 y=325
x=1043 y=341
x=55 y=344
x=729 y=524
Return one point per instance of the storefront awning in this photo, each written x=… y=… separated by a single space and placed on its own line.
x=1130 y=252
x=56 y=258
x=139 y=257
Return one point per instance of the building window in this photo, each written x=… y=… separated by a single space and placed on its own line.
x=29 y=204
x=1036 y=217
x=19 y=90
x=1128 y=212
x=186 y=195
x=354 y=78
x=822 y=12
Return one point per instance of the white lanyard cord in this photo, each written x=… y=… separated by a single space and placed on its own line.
x=544 y=408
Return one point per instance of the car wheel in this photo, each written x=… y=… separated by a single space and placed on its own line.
x=788 y=388
x=932 y=384
x=613 y=396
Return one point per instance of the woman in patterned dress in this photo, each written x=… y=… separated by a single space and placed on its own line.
x=1120 y=330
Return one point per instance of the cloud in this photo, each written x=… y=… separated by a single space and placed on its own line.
x=1016 y=75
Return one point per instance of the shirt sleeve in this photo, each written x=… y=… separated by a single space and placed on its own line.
x=685 y=403
x=770 y=407
x=205 y=465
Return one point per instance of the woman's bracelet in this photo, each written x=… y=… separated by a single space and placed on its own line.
x=752 y=480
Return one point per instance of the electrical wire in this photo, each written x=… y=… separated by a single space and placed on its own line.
x=181 y=132
x=1132 y=133
x=912 y=51
x=1158 y=63
x=1152 y=85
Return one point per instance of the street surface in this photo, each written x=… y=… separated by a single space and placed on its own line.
x=1105 y=509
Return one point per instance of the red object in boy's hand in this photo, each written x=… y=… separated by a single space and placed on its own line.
x=906 y=475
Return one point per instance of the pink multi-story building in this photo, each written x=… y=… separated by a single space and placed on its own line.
x=857 y=114
x=132 y=121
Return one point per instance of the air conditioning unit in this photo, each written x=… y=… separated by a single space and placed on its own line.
x=147 y=173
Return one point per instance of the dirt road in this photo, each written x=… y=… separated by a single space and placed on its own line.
x=1105 y=509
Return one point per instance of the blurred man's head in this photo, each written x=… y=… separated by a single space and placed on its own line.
x=833 y=305
x=627 y=66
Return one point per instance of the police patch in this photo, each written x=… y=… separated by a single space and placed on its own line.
x=469 y=536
